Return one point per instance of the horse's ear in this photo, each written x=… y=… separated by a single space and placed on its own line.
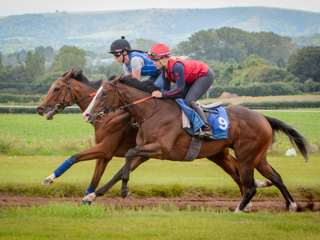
x=77 y=72
x=116 y=79
x=68 y=74
x=112 y=78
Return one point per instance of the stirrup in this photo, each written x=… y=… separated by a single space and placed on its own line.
x=206 y=132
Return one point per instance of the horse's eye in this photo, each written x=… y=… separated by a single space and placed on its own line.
x=56 y=89
x=103 y=94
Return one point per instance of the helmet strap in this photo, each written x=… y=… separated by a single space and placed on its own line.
x=123 y=55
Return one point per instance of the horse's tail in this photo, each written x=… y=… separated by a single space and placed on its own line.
x=295 y=137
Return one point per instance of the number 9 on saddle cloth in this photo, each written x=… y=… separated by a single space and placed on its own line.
x=217 y=118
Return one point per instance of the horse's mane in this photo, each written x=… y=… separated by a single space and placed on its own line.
x=146 y=86
x=78 y=75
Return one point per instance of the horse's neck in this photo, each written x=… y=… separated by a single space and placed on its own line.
x=83 y=96
x=145 y=110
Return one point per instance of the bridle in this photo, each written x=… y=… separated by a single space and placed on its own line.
x=126 y=104
x=69 y=99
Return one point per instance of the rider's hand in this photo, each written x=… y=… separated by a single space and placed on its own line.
x=157 y=94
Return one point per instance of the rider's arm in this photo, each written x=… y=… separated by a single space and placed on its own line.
x=178 y=72
x=136 y=65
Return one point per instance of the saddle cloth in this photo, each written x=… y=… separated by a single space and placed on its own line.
x=217 y=118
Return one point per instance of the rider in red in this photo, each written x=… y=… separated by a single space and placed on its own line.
x=193 y=79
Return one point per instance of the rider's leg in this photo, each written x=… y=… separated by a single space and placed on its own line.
x=197 y=89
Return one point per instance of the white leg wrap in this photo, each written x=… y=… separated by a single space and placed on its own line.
x=262 y=184
x=90 y=197
x=48 y=180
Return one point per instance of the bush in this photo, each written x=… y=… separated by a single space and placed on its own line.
x=272 y=89
x=19 y=88
x=281 y=105
x=32 y=109
x=5 y=98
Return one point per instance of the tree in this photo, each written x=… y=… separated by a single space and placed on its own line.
x=305 y=64
x=1 y=65
x=143 y=44
x=109 y=70
x=34 y=66
x=46 y=52
x=68 y=57
x=232 y=44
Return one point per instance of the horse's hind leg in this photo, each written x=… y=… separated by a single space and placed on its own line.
x=228 y=163
x=249 y=186
x=267 y=171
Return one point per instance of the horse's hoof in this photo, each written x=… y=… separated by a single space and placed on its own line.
x=237 y=210
x=245 y=210
x=293 y=207
x=87 y=200
x=124 y=193
x=48 y=180
x=248 y=208
x=85 y=203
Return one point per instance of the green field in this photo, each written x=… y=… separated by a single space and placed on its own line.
x=31 y=148
x=30 y=134
x=73 y=222
x=23 y=134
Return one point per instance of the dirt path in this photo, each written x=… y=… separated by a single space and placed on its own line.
x=259 y=204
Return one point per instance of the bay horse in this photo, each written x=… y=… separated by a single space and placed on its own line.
x=161 y=136
x=114 y=133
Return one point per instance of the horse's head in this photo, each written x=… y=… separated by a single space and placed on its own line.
x=106 y=99
x=119 y=92
x=60 y=95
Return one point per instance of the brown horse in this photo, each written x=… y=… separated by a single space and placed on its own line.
x=114 y=133
x=161 y=136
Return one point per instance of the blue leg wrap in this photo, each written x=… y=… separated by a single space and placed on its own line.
x=64 y=166
x=89 y=190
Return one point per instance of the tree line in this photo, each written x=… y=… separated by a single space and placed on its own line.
x=240 y=59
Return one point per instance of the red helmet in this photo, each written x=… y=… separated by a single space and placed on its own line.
x=159 y=50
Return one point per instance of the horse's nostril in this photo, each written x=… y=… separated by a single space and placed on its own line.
x=40 y=110
x=87 y=117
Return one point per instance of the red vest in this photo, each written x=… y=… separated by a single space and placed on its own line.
x=193 y=69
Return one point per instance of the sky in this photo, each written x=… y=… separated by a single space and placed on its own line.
x=15 y=7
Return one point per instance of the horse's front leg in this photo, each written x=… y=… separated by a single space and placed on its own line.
x=93 y=153
x=117 y=177
x=100 y=167
x=145 y=151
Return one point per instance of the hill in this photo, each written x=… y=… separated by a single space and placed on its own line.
x=93 y=30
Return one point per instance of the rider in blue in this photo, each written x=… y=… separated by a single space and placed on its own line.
x=135 y=62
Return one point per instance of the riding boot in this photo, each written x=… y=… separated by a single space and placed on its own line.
x=206 y=130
